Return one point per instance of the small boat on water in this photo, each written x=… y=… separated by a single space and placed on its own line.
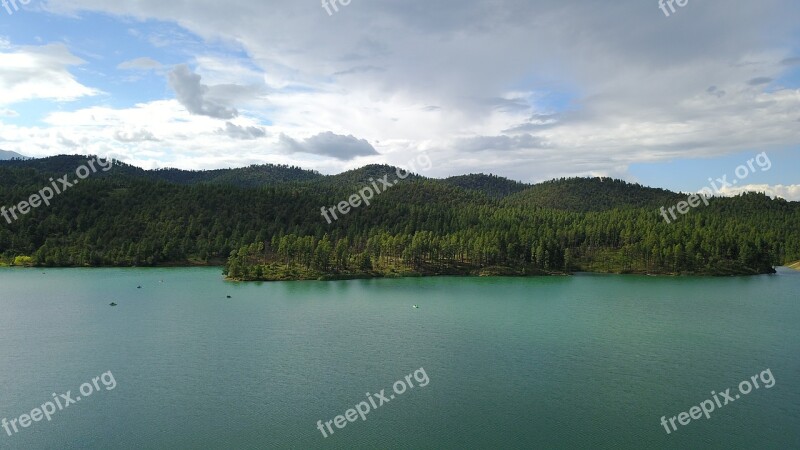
x=416 y=306
x=112 y=304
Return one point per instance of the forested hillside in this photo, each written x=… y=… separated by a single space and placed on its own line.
x=252 y=176
x=593 y=194
x=274 y=230
x=491 y=185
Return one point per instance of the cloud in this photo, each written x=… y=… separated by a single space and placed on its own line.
x=788 y=192
x=759 y=81
x=619 y=94
x=791 y=61
x=359 y=69
x=500 y=143
x=713 y=90
x=66 y=142
x=32 y=73
x=329 y=144
x=193 y=95
x=239 y=132
x=536 y=123
x=140 y=135
x=140 y=64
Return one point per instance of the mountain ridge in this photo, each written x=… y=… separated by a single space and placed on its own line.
x=266 y=222
x=559 y=193
x=6 y=155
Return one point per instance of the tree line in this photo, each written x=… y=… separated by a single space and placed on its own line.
x=473 y=224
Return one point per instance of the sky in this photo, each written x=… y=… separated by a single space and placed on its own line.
x=527 y=89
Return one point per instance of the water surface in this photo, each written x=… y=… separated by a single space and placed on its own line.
x=588 y=361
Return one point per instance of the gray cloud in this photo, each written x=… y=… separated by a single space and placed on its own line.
x=141 y=135
x=537 y=122
x=328 y=144
x=759 y=81
x=359 y=69
x=500 y=143
x=239 y=132
x=193 y=95
x=716 y=92
x=66 y=142
x=507 y=105
x=791 y=61
x=233 y=93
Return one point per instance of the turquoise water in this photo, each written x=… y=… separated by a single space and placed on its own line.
x=588 y=361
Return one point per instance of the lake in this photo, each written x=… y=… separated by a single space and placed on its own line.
x=586 y=361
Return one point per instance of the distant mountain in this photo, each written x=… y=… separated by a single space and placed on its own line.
x=364 y=176
x=566 y=194
x=491 y=185
x=252 y=176
x=6 y=155
x=593 y=194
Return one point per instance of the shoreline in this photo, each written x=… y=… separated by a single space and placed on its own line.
x=489 y=272
x=485 y=272
x=185 y=264
x=373 y=277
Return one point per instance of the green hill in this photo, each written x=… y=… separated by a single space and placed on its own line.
x=491 y=185
x=252 y=176
x=592 y=194
x=265 y=221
